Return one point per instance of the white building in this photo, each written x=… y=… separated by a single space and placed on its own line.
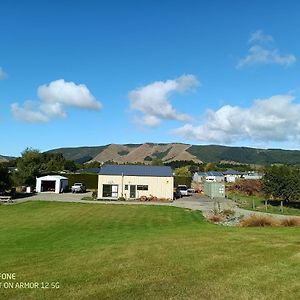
x=135 y=181
x=51 y=183
x=211 y=176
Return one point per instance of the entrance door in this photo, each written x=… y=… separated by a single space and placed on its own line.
x=132 y=193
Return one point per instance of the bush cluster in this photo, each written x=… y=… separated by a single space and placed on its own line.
x=268 y=221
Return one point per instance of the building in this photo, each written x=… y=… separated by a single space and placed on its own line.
x=253 y=175
x=135 y=181
x=211 y=176
x=231 y=175
x=51 y=183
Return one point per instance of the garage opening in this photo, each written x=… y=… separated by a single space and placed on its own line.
x=48 y=186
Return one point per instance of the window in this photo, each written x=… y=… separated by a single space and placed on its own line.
x=142 y=187
x=110 y=191
x=126 y=187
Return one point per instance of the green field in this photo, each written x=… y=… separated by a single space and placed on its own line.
x=143 y=252
x=247 y=202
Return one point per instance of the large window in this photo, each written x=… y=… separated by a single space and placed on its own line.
x=142 y=187
x=110 y=191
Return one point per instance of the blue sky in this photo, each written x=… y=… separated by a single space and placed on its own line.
x=88 y=72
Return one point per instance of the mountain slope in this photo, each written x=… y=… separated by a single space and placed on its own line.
x=145 y=153
x=79 y=154
x=216 y=153
x=3 y=159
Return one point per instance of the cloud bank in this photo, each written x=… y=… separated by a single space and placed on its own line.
x=153 y=100
x=54 y=98
x=263 y=51
x=272 y=119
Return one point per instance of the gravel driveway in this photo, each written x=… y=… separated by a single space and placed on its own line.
x=194 y=202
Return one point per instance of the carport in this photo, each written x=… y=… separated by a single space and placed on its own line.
x=51 y=183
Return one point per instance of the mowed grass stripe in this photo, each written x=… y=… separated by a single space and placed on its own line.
x=143 y=252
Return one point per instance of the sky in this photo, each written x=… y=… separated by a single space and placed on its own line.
x=87 y=73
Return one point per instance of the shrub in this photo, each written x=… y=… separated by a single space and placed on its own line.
x=249 y=187
x=90 y=180
x=215 y=218
x=121 y=199
x=95 y=194
x=290 y=222
x=259 y=221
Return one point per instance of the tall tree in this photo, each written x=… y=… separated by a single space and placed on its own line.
x=282 y=183
x=5 y=182
x=183 y=172
x=33 y=163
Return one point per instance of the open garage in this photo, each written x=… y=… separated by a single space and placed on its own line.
x=51 y=183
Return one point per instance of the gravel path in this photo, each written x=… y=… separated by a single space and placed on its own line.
x=195 y=202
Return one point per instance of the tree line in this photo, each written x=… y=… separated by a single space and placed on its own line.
x=282 y=183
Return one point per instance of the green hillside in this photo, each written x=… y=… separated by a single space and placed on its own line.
x=215 y=153
x=205 y=153
x=79 y=154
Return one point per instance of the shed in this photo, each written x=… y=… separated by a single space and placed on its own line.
x=51 y=183
x=135 y=181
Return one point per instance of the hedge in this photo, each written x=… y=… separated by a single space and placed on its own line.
x=90 y=180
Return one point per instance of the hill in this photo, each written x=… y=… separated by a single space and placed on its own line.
x=3 y=159
x=216 y=153
x=145 y=153
x=79 y=154
x=6 y=158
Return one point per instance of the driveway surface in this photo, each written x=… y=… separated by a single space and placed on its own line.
x=194 y=202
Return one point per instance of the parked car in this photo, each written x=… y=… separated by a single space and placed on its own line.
x=78 y=187
x=183 y=189
x=191 y=191
x=177 y=194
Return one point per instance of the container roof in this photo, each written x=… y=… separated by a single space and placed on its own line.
x=136 y=170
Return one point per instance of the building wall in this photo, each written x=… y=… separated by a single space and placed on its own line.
x=161 y=187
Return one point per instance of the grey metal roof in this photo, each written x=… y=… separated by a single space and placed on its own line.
x=210 y=173
x=231 y=172
x=136 y=170
x=214 y=173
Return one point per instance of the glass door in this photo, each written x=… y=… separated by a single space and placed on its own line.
x=132 y=193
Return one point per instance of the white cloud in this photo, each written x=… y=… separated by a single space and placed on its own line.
x=260 y=37
x=263 y=51
x=272 y=119
x=153 y=100
x=54 y=98
x=69 y=94
x=28 y=113
x=2 y=74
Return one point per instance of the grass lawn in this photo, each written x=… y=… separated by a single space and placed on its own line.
x=143 y=252
x=246 y=202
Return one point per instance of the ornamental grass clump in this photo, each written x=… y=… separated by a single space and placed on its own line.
x=259 y=221
x=290 y=222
